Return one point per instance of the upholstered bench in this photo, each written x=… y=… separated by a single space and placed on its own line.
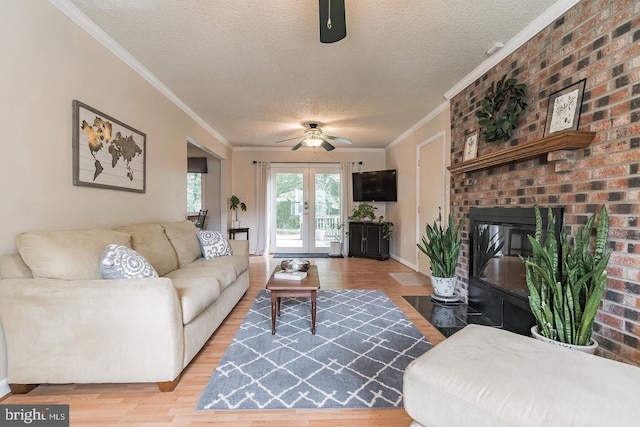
x=482 y=376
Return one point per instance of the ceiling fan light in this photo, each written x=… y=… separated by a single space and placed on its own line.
x=313 y=141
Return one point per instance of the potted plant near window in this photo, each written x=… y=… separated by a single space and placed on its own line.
x=366 y=212
x=234 y=204
x=442 y=246
x=566 y=288
x=336 y=241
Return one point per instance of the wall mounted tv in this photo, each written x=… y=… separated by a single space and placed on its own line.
x=375 y=186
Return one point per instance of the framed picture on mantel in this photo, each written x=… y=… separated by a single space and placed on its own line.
x=470 y=146
x=563 y=112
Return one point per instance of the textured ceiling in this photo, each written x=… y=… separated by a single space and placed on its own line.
x=255 y=71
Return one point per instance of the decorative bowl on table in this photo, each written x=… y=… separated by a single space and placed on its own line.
x=295 y=264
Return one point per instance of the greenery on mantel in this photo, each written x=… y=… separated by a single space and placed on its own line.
x=501 y=107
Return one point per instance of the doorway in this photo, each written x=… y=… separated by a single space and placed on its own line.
x=431 y=189
x=306 y=204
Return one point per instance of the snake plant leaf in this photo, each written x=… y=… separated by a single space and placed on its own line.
x=602 y=231
x=566 y=283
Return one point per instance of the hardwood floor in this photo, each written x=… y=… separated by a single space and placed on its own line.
x=144 y=405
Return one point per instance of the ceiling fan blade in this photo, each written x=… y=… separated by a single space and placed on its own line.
x=327 y=146
x=298 y=145
x=288 y=139
x=333 y=25
x=337 y=139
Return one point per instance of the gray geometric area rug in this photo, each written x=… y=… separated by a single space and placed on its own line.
x=356 y=359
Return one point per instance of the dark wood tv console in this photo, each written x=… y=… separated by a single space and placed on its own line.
x=365 y=240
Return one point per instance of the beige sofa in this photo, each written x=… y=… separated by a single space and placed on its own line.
x=63 y=323
x=487 y=377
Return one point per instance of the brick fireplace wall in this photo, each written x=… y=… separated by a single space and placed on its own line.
x=597 y=40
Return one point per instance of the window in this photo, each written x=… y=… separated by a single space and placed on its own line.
x=195 y=193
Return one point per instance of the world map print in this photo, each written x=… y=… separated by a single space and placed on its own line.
x=121 y=148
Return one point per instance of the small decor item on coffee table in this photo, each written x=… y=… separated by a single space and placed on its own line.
x=295 y=264
x=306 y=287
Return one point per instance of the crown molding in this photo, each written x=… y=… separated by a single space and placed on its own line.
x=76 y=15
x=337 y=150
x=426 y=119
x=554 y=11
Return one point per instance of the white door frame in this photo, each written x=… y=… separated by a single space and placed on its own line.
x=308 y=171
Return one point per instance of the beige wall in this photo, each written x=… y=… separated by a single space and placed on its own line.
x=243 y=177
x=48 y=61
x=403 y=157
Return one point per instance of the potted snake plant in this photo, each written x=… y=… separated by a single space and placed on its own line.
x=566 y=282
x=442 y=246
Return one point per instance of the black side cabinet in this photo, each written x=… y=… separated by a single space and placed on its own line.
x=365 y=240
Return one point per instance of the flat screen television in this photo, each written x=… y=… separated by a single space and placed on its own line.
x=375 y=186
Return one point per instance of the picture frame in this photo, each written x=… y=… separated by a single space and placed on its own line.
x=470 y=146
x=106 y=152
x=563 y=111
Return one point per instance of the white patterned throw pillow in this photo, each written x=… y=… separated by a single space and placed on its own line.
x=121 y=262
x=213 y=244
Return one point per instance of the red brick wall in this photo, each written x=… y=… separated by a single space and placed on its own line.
x=597 y=40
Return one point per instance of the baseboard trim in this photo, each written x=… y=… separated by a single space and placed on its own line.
x=405 y=262
x=4 y=388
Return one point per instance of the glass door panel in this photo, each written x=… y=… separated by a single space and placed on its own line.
x=288 y=231
x=307 y=209
x=326 y=208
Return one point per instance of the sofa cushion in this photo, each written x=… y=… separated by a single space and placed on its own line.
x=13 y=266
x=183 y=238
x=226 y=269
x=213 y=244
x=67 y=255
x=196 y=294
x=150 y=241
x=121 y=262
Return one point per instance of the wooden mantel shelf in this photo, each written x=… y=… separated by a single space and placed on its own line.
x=567 y=140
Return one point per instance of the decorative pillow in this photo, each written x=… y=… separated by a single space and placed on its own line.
x=121 y=262
x=213 y=244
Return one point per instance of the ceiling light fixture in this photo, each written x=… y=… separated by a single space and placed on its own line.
x=494 y=48
x=313 y=140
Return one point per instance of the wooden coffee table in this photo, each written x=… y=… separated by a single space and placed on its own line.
x=306 y=287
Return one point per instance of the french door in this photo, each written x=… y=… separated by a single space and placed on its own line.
x=306 y=204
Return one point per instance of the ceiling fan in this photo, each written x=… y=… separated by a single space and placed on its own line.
x=333 y=25
x=314 y=137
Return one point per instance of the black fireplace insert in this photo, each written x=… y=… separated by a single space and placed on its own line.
x=497 y=282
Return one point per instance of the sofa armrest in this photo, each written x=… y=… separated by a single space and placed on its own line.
x=86 y=331
x=240 y=247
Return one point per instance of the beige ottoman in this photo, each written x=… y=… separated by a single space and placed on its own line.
x=482 y=376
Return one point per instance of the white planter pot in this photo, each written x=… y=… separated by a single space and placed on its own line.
x=444 y=286
x=235 y=224
x=591 y=348
x=336 y=248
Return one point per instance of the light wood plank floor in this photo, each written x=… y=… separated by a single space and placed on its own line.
x=143 y=405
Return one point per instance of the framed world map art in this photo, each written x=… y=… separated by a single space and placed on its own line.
x=563 y=112
x=106 y=152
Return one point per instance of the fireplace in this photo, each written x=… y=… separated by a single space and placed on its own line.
x=497 y=284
